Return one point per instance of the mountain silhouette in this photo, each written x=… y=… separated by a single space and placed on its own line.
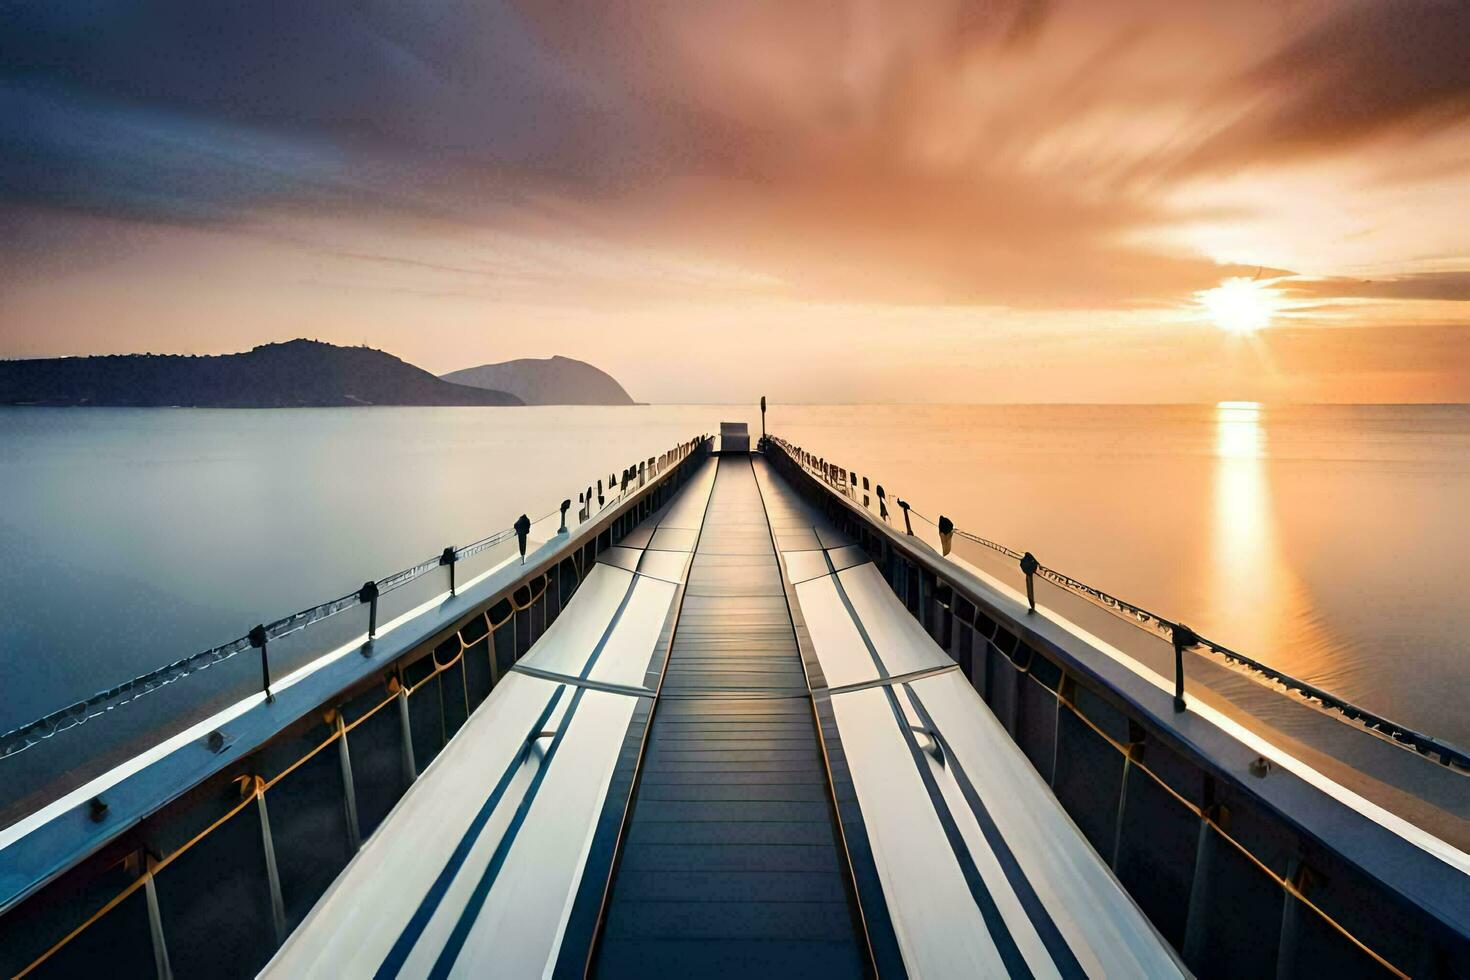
x=546 y=381
x=295 y=374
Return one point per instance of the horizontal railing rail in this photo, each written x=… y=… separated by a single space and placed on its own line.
x=26 y=736
x=854 y=487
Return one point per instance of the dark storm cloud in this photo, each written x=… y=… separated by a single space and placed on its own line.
x=186 y=110
x=1367 y=68
x=605 y=92
x=139 y=161
x=410 y=73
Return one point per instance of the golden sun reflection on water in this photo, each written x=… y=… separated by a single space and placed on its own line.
x=1256 y=597
x=1238 y=431
x=1250 y=581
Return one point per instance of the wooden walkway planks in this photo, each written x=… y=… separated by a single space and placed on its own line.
x=730 y=865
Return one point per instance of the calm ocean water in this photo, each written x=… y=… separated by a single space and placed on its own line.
x=1329 y=541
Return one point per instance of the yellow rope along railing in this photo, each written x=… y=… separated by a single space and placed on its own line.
x=1210 y=823
x=153 y=867
x=545 y=582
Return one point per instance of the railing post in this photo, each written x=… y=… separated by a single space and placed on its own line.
x=1290 y=917
x=272 y=869
x=258 y=641
x=523 y=530
x=349 y=788
x=1183 y=637
x=763 y=418
x=882 y=503
x=369 y=594
x=405 y=722
x=946 y=533
x=565 y=506
x=1197 y=918
x=908 y=525
x=449 y=558
x=161 y=965
x=1029 y=565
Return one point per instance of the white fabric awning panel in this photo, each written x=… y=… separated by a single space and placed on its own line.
x=620 y=556
x=939 y=927
x=1099 y=920
x=449 y=827
x=840 y=649
x=568 y=643
x=671 y=566
x=901 y=643
x=687 y=509
x=980 y=865
x=674 y=539
x=629 y=647
x=804 y=565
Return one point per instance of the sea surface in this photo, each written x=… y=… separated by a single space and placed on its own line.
x=1330 y=541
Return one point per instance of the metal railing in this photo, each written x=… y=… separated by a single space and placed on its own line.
x=866 y=493
x=1236 y=880
x=259 y=637
x=319 y=787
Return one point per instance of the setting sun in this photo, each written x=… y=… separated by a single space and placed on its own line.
x=1239 y=305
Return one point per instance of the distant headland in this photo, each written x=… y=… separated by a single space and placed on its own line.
x=546 y=381
x=295 y=374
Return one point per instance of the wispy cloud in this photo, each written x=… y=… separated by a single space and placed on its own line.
x=1445 y=286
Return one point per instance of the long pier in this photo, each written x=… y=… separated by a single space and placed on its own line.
x=730 y=863
x=728 y=727
x=847 y=813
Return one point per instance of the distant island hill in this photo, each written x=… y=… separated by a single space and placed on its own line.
x=546 y=381
x=296 y=374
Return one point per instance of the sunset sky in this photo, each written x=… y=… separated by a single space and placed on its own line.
x=862 y=201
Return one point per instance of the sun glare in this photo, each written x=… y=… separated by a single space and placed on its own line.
x=1239 y=306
